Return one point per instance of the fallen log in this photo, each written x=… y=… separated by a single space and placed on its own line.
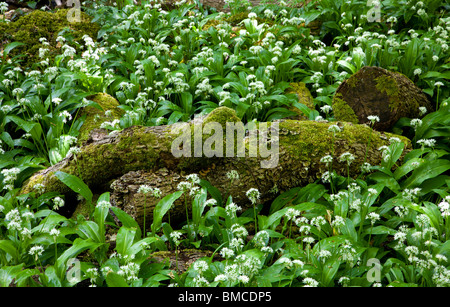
x=121 y=161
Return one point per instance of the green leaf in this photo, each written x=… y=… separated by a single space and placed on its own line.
x=349 y=230
x=161 y=209
x=90 y=230
x=125 y=239
x=8 y=247
x=101 y=212
x=345 y=64
x=283 y=199
x=77 y=247
x=138 y=246
x=76 y=184
x=8 y=273
x=329 y=271
x=379 y=230
x=407 y=167
x=215 y=192
x=427 y=170
x=126 y=220
x=11 y=46
x=115 y=280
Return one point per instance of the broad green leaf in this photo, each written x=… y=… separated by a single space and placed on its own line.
x=8 y=273
x=138 y=246
x=125 y=239
x=11 y=46
x=76 y=184
x=379 y=230
x=329 y=270
x=126 y=220
x=77 y=247
x=349 y=230
x=90 y=230
x=283 y=199
x=161 y=209
x=8 y=247
x=115 y=280
x=407 y=167
x=426 y=170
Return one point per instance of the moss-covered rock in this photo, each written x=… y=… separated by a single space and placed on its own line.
x=378 y=92
x=30 y=28
x=304 y=97
x=95 y=117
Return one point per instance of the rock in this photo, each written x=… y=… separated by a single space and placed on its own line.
x=14 y=14
x=95 y=117
x=379 y=92
x=304 y=97
x=29 y=28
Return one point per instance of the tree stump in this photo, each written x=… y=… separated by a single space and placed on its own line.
x=378 y=92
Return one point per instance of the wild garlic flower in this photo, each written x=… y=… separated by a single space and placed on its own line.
x=347 y=157
x=338 y=221
x=327 y=159
x=193 y=178
x=65 y=115
x=310 y=282
x=103 y=204
x=201 y=266
x=444 y=206
x=285 y=261
x=253 y=195
x=239 y=231
x=175 y=236
x=373 y=217
x=10 y=175
x=232 y=175
x=227 y=253
x=291 y=214
x=231 y=209
x=373 y=119
x=36 y=251
x=427 y=142
x=211 y=202
x=318 y=221
x=54 y=232
x=334 y=129
x=58 y=202
x=415 y=123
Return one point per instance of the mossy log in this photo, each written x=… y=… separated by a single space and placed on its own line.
x=379 y=92
x=122 y=161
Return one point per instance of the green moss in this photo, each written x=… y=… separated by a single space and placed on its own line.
x=353 y=81
x=210 y=23
x=306 y=139
x=95 y=117
x=342 y=111
x=236 y=18
x=134 y=150
x=389 y=85
x=30 y=28
x=222 y=115
x=303 y=94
